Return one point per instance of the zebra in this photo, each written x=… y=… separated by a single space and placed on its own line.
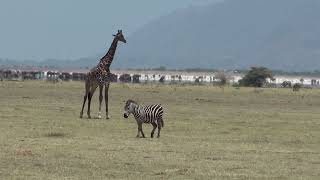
x=145 y=114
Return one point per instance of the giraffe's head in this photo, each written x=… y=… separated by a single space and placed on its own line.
x=120 y=36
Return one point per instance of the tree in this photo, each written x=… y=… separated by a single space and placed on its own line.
x=256 y=77
x=222 y=77
x=296 y=87
x=301 y=80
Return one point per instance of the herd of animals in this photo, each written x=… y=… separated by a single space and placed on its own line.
x=100 y=76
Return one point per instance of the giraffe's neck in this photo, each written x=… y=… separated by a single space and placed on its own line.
x=106 y=60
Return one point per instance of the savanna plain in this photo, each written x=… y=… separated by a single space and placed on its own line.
x=209 y=133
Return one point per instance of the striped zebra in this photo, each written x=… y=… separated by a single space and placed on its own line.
x=145 y=114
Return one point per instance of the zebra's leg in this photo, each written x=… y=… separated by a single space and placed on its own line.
x=140 y=129
x=154 y=128
x=106 y=96
x=100 y=100
x=138 y=134
x=159 y=129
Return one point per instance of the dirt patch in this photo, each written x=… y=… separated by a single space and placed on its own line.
x=153 y=91
x=203 y=100
x=24 y=152
x=55 y=134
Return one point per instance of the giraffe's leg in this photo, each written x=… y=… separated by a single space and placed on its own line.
x=90 y=94
x=84 y=102
x=100 y=100
x=89 y=103
x=85 y=97
x=154 y=128
x=106 y=96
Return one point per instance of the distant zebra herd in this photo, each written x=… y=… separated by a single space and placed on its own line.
x=295 y=87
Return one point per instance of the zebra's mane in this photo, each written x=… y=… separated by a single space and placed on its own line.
x=131 y=101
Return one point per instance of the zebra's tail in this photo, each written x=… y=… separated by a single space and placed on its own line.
x=162 y=122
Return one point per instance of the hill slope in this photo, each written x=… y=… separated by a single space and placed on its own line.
x=280 y=34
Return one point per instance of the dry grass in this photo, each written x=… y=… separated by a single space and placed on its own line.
x=209 y=133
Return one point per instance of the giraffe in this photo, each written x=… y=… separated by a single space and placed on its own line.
x=100 y=76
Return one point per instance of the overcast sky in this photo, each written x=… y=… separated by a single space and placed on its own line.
x=71 y=29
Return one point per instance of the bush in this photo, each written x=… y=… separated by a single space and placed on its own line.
x=296 y=87
x=256 y=77
x=222 y=77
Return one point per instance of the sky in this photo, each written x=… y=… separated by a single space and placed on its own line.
x=72 y=29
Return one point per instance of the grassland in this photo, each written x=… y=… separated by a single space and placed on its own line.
x=209 y=133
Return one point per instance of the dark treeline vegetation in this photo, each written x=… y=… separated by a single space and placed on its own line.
x=256 y=77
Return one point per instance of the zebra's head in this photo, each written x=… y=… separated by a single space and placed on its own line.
x=120 y=36
x=129 y=108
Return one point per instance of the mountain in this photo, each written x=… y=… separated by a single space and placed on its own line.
x=83 y=63
x=279 y=34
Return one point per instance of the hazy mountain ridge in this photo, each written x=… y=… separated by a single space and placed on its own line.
x=280 y=34
x=51 y=63
x=234 y=34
